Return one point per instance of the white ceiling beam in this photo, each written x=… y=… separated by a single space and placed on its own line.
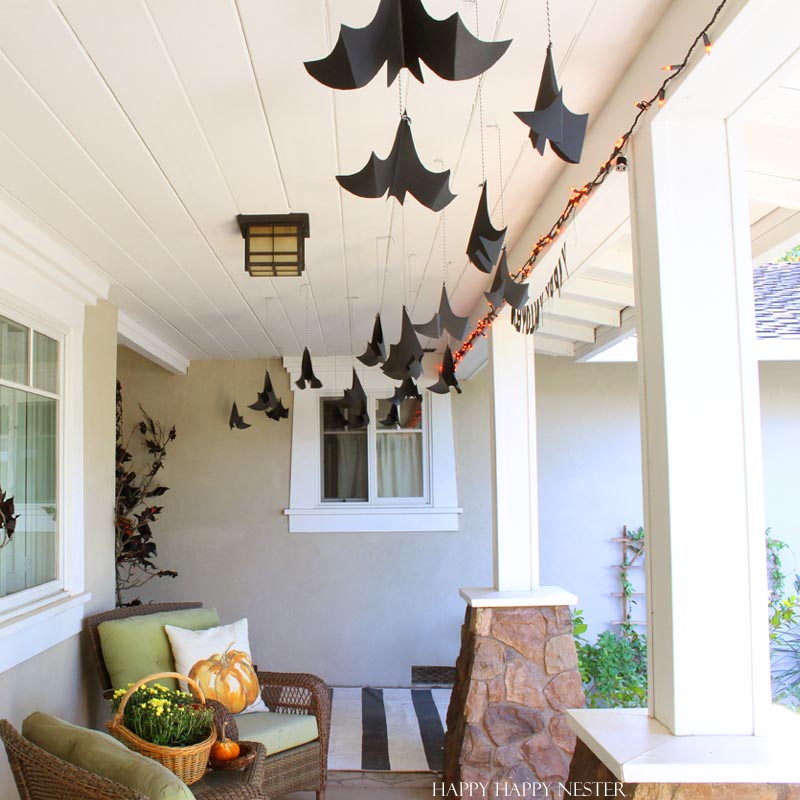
x=565 y=330
x=548 y=346
x=599 y=292
x=607 y=338
x=609 y=275
x=147 y=344
x=774 y=234
x=777 y=189
x=577 y=311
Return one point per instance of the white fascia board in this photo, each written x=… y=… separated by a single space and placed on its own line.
x=612 y=338
x=138 y=338
x=773 y=235
x=47 y=255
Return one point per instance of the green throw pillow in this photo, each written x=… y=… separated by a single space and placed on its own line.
x=101 y=754
x=136 y=647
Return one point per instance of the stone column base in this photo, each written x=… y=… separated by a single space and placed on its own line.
x=587 y=771
x=516 y=675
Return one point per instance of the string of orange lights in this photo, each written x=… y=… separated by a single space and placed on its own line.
x=616 y=160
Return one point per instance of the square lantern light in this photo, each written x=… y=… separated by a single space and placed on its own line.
x=274 y=244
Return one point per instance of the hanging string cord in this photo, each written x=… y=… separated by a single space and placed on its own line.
x=306 y=289
x=500 y=166
x=549 y=34
x=400 y=94
x=480 y=98
x=581 y=194
x=350 y=321
x=444 y=248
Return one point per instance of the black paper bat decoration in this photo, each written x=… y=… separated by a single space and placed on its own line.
x=485 y=241
x=504 y=288
x=405 y=391
x=552 y=120
x=267 y=398
x=279 y=412
x=405 y=357
x=376 y=349
x=355 y=400
x=399 y=173
x=392 y=419
x=447 y=375
x=307 y=376
x=236 y=420
x=443 y=320
x=402 y=33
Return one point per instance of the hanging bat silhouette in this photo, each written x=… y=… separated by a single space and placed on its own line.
x=405 y=357
x=401 y=34
x=307 y=376
x=392 y=420
x=552 y=121
x=405 y=391
x=447 y=375
x=266 y=398
x=443 y=320
x=236 y=420
x=504 y=288
x=376 y=348
x=355 y=400
x=399 y=173
x=485 y=241
x=279 y=412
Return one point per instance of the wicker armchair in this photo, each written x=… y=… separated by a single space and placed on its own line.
x=40 y=775
x=303 y=768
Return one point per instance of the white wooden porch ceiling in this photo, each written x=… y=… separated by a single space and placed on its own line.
x=138 y=129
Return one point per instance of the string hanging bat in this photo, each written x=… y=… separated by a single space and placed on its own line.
x=266 y=398
x=447 y=375
x=406 y=390
x=307 y=376
x=279 y=412
x=485 y=241
x=405 y=357
x=552 y=121
x=355 y=400
x=504 y=288
x=402 y=34
x=444 y=320
x=399 y=173
x=236 y=420
x=376 y=348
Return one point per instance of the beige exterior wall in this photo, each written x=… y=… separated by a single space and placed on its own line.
x=355 y=608
x=61 y=680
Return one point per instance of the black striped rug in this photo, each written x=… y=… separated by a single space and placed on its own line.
x=397 y=730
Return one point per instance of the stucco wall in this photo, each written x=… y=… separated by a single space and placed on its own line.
x=355 y=608
x=61 y=680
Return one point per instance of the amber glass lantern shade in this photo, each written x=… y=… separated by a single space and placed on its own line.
x=274 y=244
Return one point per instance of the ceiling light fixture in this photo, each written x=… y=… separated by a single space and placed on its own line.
x=274 y=244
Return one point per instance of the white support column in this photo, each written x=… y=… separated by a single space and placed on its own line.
x=515 y=504
x=703 y=493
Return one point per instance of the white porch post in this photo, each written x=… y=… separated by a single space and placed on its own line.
x=515 y=506
x=701 y=443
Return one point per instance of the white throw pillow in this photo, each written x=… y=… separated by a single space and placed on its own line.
x=219 y=660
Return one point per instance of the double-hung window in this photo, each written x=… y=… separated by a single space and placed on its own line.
x=30 y=420
x=395 y=474
x=382 y=462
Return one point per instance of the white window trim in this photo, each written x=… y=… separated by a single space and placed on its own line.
x=47 y=287
x=308 y=513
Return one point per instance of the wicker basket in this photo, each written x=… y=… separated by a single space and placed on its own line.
x=188 y=763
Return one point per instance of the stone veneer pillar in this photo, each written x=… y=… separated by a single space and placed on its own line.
x=516 y=675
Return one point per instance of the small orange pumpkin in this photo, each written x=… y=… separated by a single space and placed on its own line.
x=228 y=678
x=224 y=749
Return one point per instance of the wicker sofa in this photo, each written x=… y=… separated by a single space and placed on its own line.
x=301 y=768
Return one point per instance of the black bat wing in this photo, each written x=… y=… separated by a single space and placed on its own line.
x=447 y=375
x=236 y=420
x=456 y=326
x=376 y=349
x=485 y=241
x=570 y=145
x=446 y=45
x=360 y=52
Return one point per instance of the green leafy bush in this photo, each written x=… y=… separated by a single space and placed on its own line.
x=614 y=668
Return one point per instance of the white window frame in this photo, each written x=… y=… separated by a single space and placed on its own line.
x=437 y=510
x=48 y=288
x=373 y=431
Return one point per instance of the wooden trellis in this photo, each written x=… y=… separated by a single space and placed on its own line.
x=632 y=556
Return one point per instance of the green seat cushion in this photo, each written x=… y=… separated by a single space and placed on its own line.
x=136 y=647
x=101 y=754
x=277 y=732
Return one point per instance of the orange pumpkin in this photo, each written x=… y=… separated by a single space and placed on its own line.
x=224 y=749
x=228 y=678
